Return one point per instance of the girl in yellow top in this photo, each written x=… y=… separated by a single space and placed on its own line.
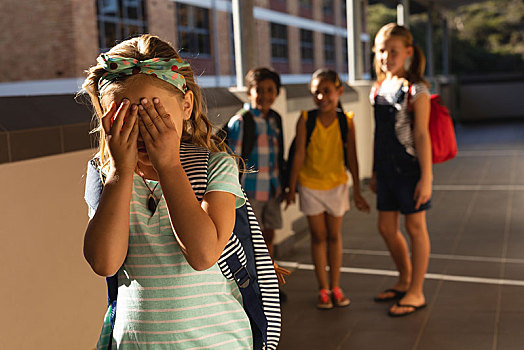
x=320 y=171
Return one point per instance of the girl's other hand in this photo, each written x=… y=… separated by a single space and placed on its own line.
x=422 y=192
x=290 y=198
x=157 y=128
x=360 y=202
x=122 y=137
x=373 y=183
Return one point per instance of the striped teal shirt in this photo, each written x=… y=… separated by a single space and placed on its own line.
x=163 y=303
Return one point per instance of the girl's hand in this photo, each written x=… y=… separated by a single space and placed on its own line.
x=360 y=202
x=422 y=192
x=157 y=128
x=373 y=183
x=121 y=131
x=290 y=198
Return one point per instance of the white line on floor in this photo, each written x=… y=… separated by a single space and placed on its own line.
x=478 y=187
x=490 y=153
x=439 y=256
x=431 y=276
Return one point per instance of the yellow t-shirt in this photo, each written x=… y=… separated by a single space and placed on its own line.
x=324 y=166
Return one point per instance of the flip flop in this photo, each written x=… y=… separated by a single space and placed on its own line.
x=397 y=294
x=415 y=309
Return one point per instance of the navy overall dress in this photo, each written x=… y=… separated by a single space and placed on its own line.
x=397 y=171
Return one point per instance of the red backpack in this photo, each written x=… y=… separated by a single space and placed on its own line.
x=442 y=132
x=441 y=129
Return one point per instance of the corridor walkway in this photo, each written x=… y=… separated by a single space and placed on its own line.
x=475 y=281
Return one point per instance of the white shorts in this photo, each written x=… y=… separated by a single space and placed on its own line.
x=334 y=201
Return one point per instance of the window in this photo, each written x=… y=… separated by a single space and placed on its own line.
x=193 y=30
x=343 y=8
x=306 y=45
x=278 y=42
x=327 y=7
x=119 y=20
x=329 y=48
x=306 y=4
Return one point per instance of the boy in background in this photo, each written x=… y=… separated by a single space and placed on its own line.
x=255 y=133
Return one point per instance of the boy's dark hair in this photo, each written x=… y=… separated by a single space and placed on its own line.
x=256 y=75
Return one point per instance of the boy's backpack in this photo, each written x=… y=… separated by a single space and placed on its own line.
x=249 y=136
x=244 y=259
x=441 y=129
x=311 y=121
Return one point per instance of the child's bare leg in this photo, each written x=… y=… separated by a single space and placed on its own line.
x=317 y=225
x=417 y=230
x=268 y=235
x=388 y=225
x=334 y=249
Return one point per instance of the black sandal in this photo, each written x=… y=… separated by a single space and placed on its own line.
x=397 y=295
x=415 y=309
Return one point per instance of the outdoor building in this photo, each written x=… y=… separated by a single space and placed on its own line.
x=294 y=37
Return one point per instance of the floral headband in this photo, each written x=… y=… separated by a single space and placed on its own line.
x=162 y=68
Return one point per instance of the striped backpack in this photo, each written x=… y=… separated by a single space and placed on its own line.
x=244 y=259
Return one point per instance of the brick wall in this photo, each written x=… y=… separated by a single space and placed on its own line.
x=161 y=19
x=36 y=40
x=225 y=44
x=85 y=35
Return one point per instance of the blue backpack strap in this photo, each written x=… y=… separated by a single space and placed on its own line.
x=245 y=276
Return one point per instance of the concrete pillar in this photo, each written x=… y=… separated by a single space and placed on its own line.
x=354 y=47
x=403 y=13
x=430 y=72
x=245 y=35
x=216 y=46
x=445 y=45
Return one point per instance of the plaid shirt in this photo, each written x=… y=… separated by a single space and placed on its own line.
x=264 y=183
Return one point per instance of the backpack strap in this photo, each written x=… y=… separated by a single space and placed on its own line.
x=410 y=106
x=282 y=166
x=344 y=129
x=311 y=122
x=248 y=135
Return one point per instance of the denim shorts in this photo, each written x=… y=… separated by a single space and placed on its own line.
x=395 y=193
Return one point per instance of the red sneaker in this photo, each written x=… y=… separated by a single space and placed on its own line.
x=324 y=300
x=339 y=299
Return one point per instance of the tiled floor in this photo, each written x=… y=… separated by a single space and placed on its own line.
x=475 y=284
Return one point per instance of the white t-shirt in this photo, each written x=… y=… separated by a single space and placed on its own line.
x=403 y=123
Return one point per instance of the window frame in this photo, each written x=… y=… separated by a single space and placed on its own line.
x=116 y=15
x=281 y=42
x=306 y=45
x=194 y=31
x=330 y=47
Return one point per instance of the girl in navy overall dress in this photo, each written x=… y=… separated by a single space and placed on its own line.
x=402 y=167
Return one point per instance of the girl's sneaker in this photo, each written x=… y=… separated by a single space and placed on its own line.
x=339 y=299
x=324 y=300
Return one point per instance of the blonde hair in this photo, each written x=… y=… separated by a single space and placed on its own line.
x=415 y=71
x=198 y=130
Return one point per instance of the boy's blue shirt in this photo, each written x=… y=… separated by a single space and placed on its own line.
x=264 y=182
